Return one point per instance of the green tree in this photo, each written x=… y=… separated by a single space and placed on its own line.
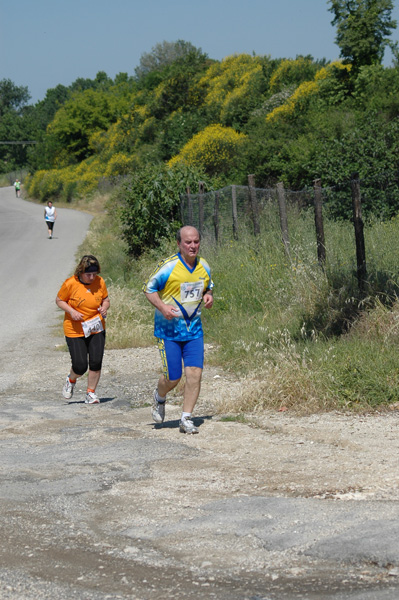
x=164 y=54
x=52 y=102
x=77 y=120
x=12 y=97
x=363 y=30
x=150 y=200
x=17 y=123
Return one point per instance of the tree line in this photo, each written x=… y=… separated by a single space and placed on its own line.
x=184 y=117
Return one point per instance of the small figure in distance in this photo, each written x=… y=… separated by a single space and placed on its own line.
x=50 y=215
x=17 y=186
x=177 y=288
x=84 y=299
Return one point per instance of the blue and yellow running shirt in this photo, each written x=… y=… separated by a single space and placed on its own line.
x=182 y=287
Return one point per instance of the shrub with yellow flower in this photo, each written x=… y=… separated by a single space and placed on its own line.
x=231 y=85
x=306 y=90
x=216 y=149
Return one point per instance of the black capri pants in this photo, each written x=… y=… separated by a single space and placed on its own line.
x=86 y=352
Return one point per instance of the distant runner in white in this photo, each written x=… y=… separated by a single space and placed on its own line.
x=50 y=215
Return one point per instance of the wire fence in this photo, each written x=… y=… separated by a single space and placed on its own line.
x=234 y=209
x=231 y=211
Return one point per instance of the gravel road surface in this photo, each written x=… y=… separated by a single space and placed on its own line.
x=99 y=503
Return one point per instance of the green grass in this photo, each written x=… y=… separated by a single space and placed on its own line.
x=234 y=419
x=301 y=337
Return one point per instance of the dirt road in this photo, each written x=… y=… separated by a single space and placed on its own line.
x=98 y=503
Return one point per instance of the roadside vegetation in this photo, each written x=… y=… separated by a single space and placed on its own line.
x=299 y=336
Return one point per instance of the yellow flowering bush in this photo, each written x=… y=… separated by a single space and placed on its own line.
x=227 y=84
x=43 y=184
x=119 y=164
x=305 y=90
x=291 y=72
x=216 y=149
x=65 y=183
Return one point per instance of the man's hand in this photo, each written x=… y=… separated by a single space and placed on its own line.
x=208 y=299
x=169 y=312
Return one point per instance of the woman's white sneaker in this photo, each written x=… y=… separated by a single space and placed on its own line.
x=92 y=398
x=67 y=390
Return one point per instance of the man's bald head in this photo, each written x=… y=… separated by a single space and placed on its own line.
x=188 y=230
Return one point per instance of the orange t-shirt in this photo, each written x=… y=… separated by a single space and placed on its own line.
x=84 y=298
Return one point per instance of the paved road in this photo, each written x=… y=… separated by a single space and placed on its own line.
x=32 y=268
x=98 y=504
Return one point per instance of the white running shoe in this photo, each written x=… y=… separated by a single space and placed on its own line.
x=67 y=390
x=157 y=409
x=92 y=398
x=187 y=426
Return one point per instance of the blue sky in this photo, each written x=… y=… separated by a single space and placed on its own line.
x=47 y=42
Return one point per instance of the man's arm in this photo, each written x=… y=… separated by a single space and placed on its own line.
x=208 y=299
x=166 y=309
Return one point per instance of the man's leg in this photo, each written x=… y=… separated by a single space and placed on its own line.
x=192 y=388
x=193 y=358
x=171 y=357
x=191 y=392
x=165 y=386
x=158 y=406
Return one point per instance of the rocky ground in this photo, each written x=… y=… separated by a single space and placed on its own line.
x=98 y=502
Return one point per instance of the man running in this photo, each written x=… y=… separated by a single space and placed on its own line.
x=177 y=288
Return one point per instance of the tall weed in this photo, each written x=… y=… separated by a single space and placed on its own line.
x=301 y=337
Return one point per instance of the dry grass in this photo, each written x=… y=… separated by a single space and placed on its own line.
x=284 y=384
x=129 y=324
x=274 y=321
x=379 y=323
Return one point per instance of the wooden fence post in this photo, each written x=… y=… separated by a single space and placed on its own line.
x=318 y=219
x=359 y=233
x=234 y=210
x=254 y=204
x=283 y=217
x=182 y=207
x=201 y=189
x=189 y=206
x=216 y=217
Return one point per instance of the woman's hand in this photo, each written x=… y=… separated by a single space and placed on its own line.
x=103 y=311
x=104 y=306
x=75 y=315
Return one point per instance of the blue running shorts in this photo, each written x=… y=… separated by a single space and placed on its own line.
x=191 y=352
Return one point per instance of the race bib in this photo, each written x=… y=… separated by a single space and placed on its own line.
x=191 y=292
x=92 y=326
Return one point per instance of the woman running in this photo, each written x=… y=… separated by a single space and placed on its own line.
x=50 y=215
x=84 y=298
